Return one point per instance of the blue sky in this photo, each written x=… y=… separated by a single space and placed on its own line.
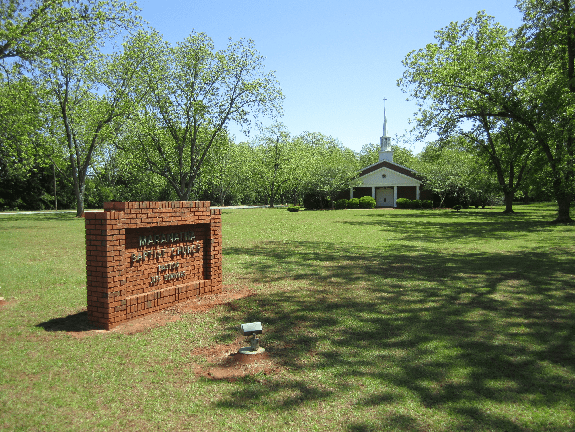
x=335 y=60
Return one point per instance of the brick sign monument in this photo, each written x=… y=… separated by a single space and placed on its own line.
x=142 y=257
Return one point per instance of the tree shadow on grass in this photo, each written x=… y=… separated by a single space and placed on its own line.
x=77 y=322
x=472 y=227
x=396 y=422
x=451 y=330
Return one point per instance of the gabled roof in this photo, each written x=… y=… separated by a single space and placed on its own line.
x=392 y=166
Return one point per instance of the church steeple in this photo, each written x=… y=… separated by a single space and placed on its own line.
x=385 y=152
x=384 y=123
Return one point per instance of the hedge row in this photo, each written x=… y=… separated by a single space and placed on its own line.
x=406 y=203
x=366 y=202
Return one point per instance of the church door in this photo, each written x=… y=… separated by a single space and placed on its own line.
x=384 y=197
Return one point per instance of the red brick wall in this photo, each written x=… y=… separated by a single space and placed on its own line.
x=142 y=257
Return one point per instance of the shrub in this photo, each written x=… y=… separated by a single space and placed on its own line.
x=353 y=203
x=457 y=207
x=406 y=203
x=403 y=203
x=367 y=202
x=313 y=200
x=294 y=208
x=341 y=204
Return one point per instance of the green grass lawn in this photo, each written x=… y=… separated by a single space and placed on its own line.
x=380 y=320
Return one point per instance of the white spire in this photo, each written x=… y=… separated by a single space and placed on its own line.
x=384 y=123
x=385 y=151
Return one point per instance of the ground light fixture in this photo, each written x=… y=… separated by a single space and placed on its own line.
x=252 y=330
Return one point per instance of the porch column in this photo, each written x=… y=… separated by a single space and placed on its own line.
x=394 y=196
x=373 y=192
x=417 y=191
x=350 y=193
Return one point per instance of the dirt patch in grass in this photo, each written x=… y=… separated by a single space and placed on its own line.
x=197 y=305
x=78 y=325
x=217 y=362
x=205 y=303
x=224 y=362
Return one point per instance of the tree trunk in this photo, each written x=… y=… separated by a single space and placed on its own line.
x=79 y=191
x=271 y=198
x=508 y=194
x=564 y=205
x=79 y=185
x=563 y=198
x=441 y=198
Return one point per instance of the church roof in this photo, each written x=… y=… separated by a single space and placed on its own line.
x=393 y=166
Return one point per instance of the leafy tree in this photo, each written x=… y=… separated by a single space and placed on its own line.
x=369 y=155
x=116 y=179
x=25 y=191
x=537 y=185
x=548 y=41
x=228 y=175
x=273 y=157
x=507 y=147
x=403 y=156
x=333 y=167
x=310 y=166
x=28 y=178
x=37 y=29
x=449 y=170
x=190 y=94
x=301 y=166
x=482 y=187
x=21 y=143
x=481 y=70
x=90 y=100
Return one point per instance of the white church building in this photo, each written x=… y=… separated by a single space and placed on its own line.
x=387 y=181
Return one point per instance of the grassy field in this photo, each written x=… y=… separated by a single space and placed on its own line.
x=378 y=320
